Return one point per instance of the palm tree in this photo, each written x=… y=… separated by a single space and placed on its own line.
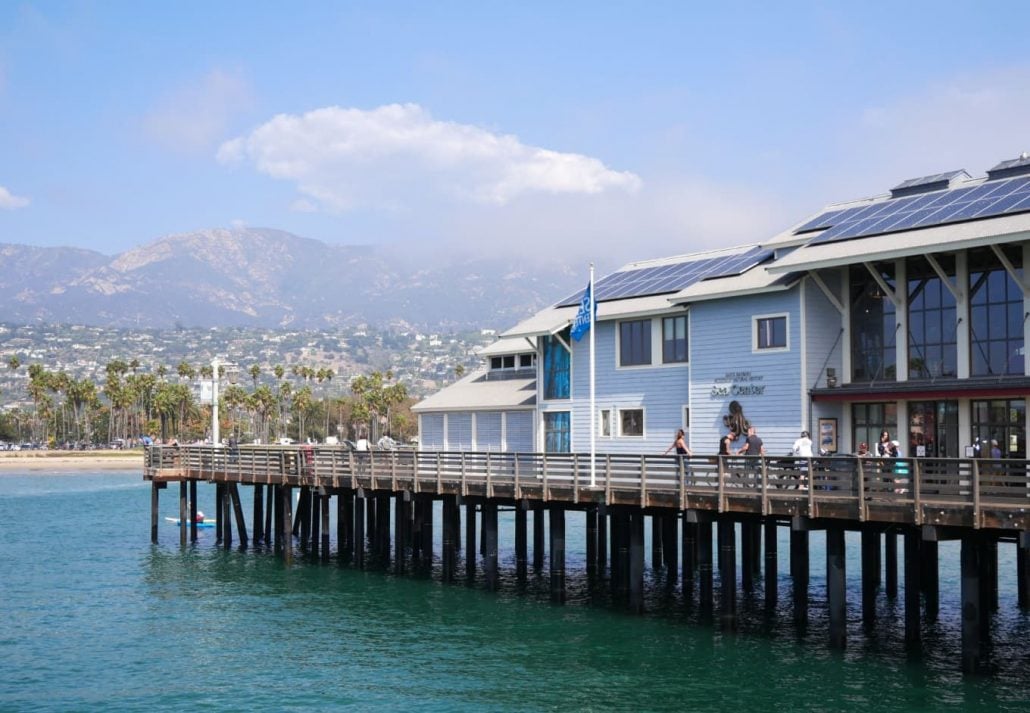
x=255 y=372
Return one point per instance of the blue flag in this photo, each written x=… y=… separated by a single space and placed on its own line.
x=581 y=324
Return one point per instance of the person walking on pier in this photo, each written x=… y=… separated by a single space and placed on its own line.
x=680 y=444
x=802 y=446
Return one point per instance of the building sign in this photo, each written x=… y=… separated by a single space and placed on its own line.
x=738 y=383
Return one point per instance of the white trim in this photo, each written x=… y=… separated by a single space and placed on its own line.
x=755 y=318
x=643 y=421
x=600 y=422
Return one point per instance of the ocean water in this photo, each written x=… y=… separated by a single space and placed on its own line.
x=95 y=617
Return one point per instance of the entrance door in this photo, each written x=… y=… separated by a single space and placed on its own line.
x=933 y=429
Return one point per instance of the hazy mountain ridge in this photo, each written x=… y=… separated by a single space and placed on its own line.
x=269 y=278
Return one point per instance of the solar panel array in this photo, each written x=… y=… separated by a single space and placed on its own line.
x=662 y=279
x=986 y=200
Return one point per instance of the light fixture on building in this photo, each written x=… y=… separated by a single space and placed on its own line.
x=831 y=377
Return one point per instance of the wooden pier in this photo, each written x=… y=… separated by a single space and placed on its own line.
x=924 y=500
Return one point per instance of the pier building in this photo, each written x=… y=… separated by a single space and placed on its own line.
x=907 y=312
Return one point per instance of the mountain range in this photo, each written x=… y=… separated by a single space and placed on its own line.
x=270 y=278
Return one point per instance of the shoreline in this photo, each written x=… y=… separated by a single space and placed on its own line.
x=35 y=461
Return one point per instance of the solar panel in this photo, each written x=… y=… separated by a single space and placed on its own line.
x=665 y=279
x=986 y=200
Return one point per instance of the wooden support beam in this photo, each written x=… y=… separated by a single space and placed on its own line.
x=890 y=563
x=800 y=572
x=193 y=511
x=470 y=539
x=771 y=565
x=929 y=578
x=259 y=517
x=155 y=489
x=557 y=553
x=447 y=553
x=870 y=575
x=490 y=544
x=427 y=530
x=269 y=513
x=225 y=517
x=912 y=567
x=521 y=539
x=836 y=586
x=1022 y=575
x=747 y=555
x=538 y=535
x=399 y=559
x=704 y=567
x=325 y=527
x=972 y=641
x=360 y=511
x=727 y=573
x=237 y=506
x=689 y=564
x=602 y=538
x=670 y=547
x=591 y=541
x=635 y=552
x=184 y=515
x=656 y=542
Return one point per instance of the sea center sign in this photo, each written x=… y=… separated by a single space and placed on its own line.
x=738 y=383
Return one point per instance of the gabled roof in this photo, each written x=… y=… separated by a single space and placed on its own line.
x=476 y=392
x=505 y=346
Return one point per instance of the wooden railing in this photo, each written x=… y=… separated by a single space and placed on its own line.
x=946 y=491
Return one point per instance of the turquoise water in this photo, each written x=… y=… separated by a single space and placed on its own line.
x=95 y=617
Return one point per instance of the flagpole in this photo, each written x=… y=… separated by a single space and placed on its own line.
x=593 y=411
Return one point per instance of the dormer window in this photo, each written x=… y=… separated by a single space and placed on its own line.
x=510 y=362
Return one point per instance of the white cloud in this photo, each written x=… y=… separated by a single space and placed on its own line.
x=397 y=157
x=194 y=117
x=8 y=201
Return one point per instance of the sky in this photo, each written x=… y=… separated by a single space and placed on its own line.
x=606 y=131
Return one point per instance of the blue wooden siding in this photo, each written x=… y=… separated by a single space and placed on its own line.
x=488 y=431
x=662 y=392
x=724 y=368
x=519 y=431
x=430 y=432
x=825 y=350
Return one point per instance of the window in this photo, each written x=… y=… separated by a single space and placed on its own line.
x=527 y=361
x=873 y=349
x=631 y=422
x=556 y=367
x=502 y=362
x=932 y=337
x=635 y=343
x=995 y=315
x=686 y=417
x=557 y=432
x=771 y=332
x=674 y=339
x=870 y=419
x=1001 y=420
x=604 y=423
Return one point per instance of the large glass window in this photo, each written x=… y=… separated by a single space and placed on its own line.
x=932 y=429
x=674 y=339
x=1001 y=420
x=873 y=349
x=635 y=342
x=556 y=367
x=869 y=420
x=932 y=340
x=995 y=315
x=557 y=438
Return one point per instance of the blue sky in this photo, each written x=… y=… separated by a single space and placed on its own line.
x=607 y=131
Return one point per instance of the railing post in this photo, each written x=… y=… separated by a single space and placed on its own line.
x=722 y=483
x=683 y=482
x=489 y=477
x=575 y=478
x=518 y=486
x=643 y=482
x=545 y=494
x=917 y=475
x=863 y=508
x=765 y=485
x=976 y=494
x=608 y=479
x=353 y=471
x=393 y=471
x=811 y=489
x=464 y=483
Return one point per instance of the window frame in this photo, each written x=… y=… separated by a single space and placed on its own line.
x=643 y=430
x=649 y=342
x=686 y=338
x=601 y=414
x=757 y=319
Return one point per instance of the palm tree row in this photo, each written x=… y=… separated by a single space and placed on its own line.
x=131 y=403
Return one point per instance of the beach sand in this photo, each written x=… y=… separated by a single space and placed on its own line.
x=69 y=461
